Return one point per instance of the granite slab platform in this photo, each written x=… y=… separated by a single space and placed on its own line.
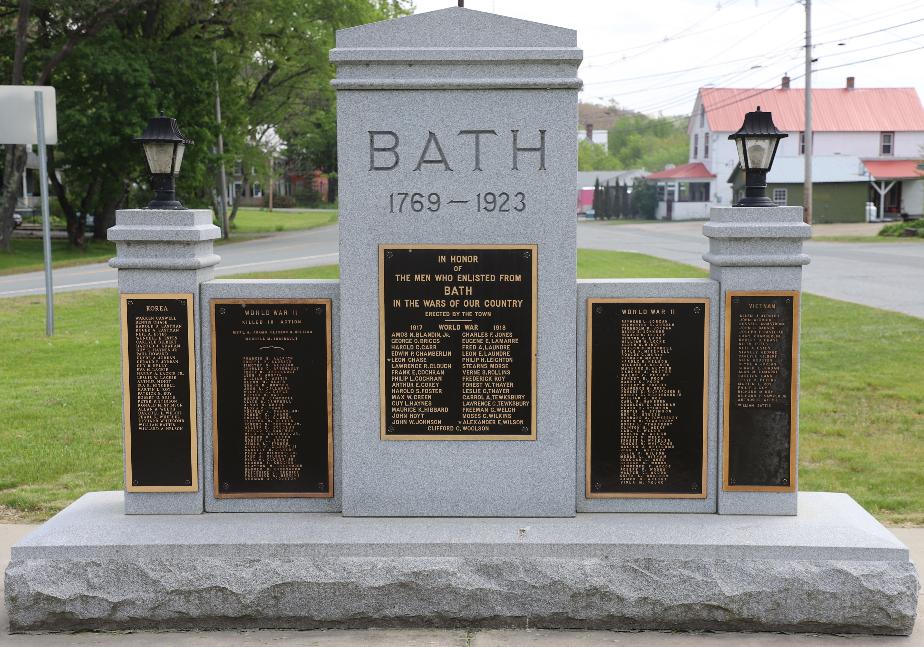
x=832 y=568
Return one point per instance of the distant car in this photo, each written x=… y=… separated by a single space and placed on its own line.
x=17 y=220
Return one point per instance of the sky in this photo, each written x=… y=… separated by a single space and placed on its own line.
x=653 y=55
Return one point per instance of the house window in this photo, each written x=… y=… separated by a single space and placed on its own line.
x=695 y=146
x=706 y=146
x=802 y=143
x=702 y=116
x=238 y=167
x=693 y=192
x=887 y=143
x=780 y=196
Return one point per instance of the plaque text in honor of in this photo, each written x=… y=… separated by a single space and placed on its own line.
x=458 y=342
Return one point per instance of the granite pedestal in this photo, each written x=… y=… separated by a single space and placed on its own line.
x=832 y=568
x=166 y=251
x=755 y=248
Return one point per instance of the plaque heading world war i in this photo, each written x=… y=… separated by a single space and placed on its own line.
x=647 y=374
x=272 y=398
x=458 y=342
x=159 y=393
x=761 y=337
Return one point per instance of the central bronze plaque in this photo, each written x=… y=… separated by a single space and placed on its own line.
x=647 y=374
x=272 y=398
x=458 y=342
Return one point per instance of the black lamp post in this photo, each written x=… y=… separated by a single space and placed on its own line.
x=757 y=141
x=163 y=147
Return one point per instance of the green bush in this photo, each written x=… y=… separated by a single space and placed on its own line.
x=898 y=228
x=281 y=201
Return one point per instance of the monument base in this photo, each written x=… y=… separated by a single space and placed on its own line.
x=833 y=568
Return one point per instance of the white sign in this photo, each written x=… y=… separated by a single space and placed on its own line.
x=17 y=114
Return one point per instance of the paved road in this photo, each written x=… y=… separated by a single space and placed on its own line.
x=11 y=533
x=282 y=251
x=883 y=275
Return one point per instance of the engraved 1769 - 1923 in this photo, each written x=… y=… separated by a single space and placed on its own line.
x=525 y=152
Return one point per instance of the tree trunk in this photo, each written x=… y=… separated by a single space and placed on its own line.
x=105 y=217
x=76 y=234
x=15 y=160
x=14 y=164
x=237 y=203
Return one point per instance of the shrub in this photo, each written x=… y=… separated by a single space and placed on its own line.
x=898 y=228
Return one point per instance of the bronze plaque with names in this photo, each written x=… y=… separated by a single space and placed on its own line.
x=159 y=393
x=458 y=342
x=761 y=354
x=647 y=404
x=272 y=398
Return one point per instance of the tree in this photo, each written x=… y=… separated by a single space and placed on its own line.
x=15 y=159
x=638 y=141
x=593 y=157
x=644 y=199
x=116 y=63
x=58 y=28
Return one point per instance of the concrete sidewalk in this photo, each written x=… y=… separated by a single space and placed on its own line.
x=11 y=533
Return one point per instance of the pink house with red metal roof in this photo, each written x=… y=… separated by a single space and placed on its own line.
x=876 y=125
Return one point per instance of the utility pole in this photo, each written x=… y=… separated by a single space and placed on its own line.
x=269 y=164
x=807 y=191
x=223 y=179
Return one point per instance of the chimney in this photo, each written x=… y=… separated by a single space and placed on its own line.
x=785 y=83
x=850 y=81
x=589 y=132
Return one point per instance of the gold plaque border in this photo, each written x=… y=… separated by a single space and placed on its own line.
x=534 y=248
x=126 y=393
x=793 y=396
x=329 y=494
x=704 y=480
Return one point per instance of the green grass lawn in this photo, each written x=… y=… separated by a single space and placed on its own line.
x=862 y=422
x=27 y=255
x=258 y=221
x=868 y=239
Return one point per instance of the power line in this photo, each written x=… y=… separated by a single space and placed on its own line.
x=870 y=33
x=863 y=49
x=867 y=60
x=674 y=72
x=681 y=35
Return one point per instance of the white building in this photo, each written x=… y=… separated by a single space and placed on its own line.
x=872 y=124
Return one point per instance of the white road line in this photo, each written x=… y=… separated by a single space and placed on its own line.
x=58 y=287
x=278 y=260
x=332 y=255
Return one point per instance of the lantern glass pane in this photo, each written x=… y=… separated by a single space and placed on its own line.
x=742 y=158
x=160 y=156
x=760 y=152
x=179 y=158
